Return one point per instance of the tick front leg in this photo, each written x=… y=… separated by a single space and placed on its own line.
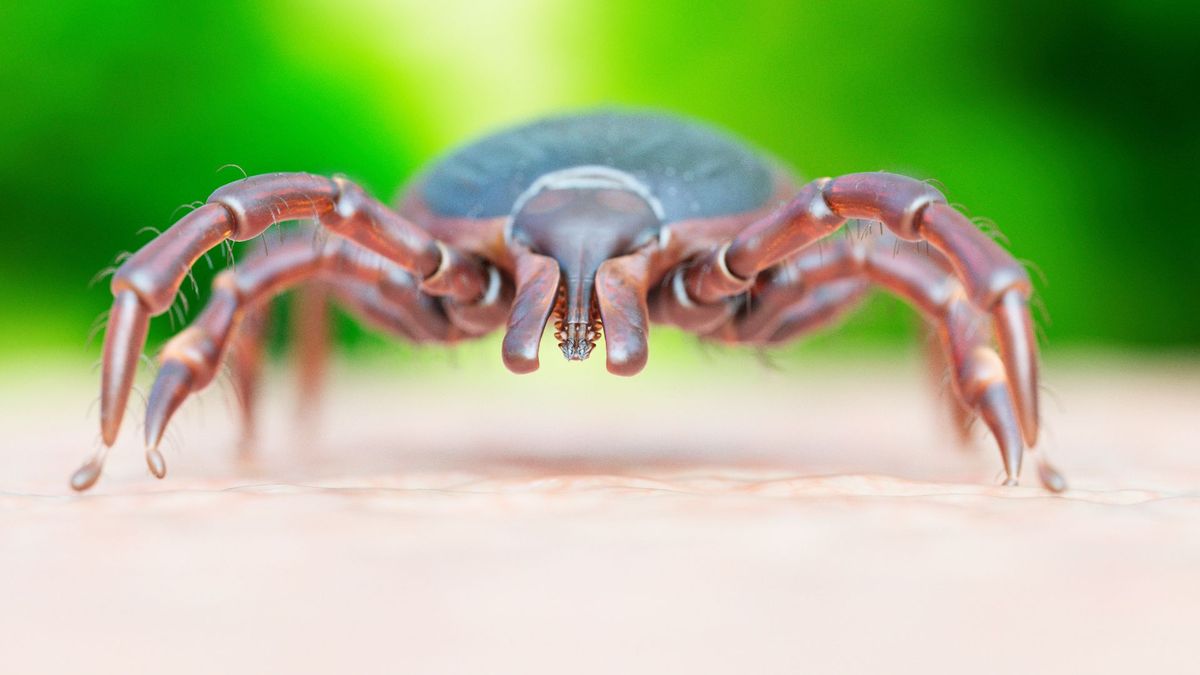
x=816 y=286
x=190 y=360
x=147 y=283
x=994 y=281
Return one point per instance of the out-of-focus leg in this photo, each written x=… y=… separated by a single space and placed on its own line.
x=989 y=276
x=822 y=283
x=245 y=361
x=937 y=368
x=148 y=282
x=310 y=328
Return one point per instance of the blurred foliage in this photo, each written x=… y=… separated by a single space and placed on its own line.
x=1072 y=125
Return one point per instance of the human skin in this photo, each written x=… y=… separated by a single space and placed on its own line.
x=708 y=516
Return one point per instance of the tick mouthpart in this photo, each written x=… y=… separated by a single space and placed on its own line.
x=576 y=340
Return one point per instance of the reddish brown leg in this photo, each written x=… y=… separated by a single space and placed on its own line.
x=405 y=313
x=412 y=316
x=148 y=282
x=817 y=308
x=670 y=303
x=190 y=360
x=784 y=304
x=992 y=279
x=310 y=325
x=937 y=368
x=979 y=380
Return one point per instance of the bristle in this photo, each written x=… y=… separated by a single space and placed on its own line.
x=578 y=341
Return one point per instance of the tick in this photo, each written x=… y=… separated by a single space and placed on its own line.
x=602 y=223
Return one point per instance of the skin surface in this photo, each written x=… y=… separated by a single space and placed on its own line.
x=708 y=516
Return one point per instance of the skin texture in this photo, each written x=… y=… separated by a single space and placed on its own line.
x=709 y=516
x=608 y=247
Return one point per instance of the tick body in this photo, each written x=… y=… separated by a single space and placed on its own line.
x=602 y=223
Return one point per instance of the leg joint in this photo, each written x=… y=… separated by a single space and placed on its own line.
x=894 y=200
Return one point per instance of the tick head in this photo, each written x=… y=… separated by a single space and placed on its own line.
x=581 y=217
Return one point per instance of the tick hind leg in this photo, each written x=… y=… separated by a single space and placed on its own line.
x=190 y=360
x=245 y=361
x=784 y=309
x=824 y=284
x=938 y=375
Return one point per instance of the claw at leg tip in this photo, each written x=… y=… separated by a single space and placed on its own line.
x=172 y=386
x=86 y=475
x=155 y=461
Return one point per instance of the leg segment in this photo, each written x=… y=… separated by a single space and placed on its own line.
x=992 y=279
x=816 y=309
x=536 y=294
x=823 y=282
x=310 y=325
x=784 y=304
x=190 y=360
x=396 y=307
x=245 y=365
x=937 y=369
x=621 y=286
x=148 y=282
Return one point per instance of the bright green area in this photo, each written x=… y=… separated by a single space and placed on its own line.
x=1073 y=126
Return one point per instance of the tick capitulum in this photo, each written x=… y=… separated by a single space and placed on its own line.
x=607 y=221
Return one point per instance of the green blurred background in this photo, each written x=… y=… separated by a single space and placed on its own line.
x=1072 y=125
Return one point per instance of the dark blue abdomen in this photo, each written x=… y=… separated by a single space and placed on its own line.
x=694 y=170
